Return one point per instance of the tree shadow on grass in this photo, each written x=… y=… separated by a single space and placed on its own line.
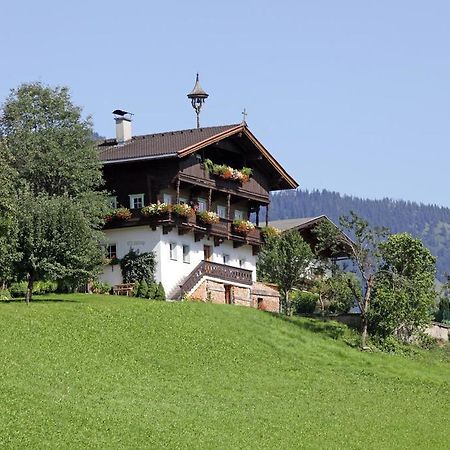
x=322 y=325
x=37 y=300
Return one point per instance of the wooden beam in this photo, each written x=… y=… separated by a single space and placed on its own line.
x=267 y=215
x=257 y=215
x=178 y=190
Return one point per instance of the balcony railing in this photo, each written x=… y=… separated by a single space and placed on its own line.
x=215 y=270
x=223 y=229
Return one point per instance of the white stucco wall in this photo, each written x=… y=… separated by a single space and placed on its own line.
x=142 y=239
x=172 y=272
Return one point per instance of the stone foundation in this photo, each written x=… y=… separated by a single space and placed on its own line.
x=259 y=295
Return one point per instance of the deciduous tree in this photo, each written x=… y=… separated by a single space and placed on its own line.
x=286 y=261
x=60 y=201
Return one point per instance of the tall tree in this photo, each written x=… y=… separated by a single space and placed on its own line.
x=286 y=261
x=363 y=250
x=8 y=217
x=404 y=292
x=60 y=198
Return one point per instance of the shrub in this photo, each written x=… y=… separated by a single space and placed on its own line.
x=160 y=293
x=18 y=289
x=270 y=232
x=45 y=287
x=142 y=290
x=98 y=287
x=152 y=290
x=304 y=302
x=5 y=295
x=137 y=266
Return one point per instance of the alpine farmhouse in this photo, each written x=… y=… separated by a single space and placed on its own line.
x=215 y=179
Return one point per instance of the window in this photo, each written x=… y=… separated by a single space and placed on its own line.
x=222 y=211
x=111 y=251
x=113 y=202
x=226 y=258
x=242 y=263
x=238 y=214
x=201 y=204
x=183 y=200
x=136 y=201
x=173 y=251
x=167 y=198
x=186 y=254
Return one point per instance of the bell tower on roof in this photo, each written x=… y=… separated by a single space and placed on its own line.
x=197 y=97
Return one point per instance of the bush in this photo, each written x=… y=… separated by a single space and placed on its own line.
x=160 y=293
x=5 y=295
x=18 y=289
x=137 y=266
x=45 y=287
x=303 y=302
x=142 y=290
x=98 y=287
x=152 y=290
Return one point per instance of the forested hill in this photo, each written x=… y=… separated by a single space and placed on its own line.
x=431 y=223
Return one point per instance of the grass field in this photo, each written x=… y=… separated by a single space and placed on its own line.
x=81 y=371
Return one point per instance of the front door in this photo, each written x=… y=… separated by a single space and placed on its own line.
x=227 y=294
x=207 y=252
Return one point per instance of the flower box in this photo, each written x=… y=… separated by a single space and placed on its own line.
x=243 y=226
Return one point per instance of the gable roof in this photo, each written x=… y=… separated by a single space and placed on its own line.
x=306 y=226
x=179 y=144
x=149 y=146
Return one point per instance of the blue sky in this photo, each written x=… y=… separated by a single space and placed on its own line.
x=352 y=96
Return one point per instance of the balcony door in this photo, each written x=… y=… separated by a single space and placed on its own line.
x=207 y=252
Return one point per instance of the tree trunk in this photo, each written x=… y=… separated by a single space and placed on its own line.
x=29 y=294
x=322 y=305
x=364 y=318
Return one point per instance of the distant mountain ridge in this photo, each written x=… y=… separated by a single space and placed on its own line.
x=431 y=223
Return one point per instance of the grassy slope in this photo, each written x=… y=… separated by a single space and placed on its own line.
x=108 y=372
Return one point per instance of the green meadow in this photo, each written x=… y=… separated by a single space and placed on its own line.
x=90 y=371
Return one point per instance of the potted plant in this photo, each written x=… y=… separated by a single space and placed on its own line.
x=183 y=210
x=242 y=226
x=121 y=213
x=156 y=209
x=209 y=217
x=228 y=173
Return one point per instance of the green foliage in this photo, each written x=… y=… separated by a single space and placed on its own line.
x=18 y=289
x=5 y=295
x=303 y=302
x=340 y=291
x=138 y=266
x=8 y=220
x=60 y=207
x=98 y=287
x=113 y=360
x=142 y=290
x=285 y=261
x=160 y=293
x=404 y=288
x=430 y=223
x=152 y=290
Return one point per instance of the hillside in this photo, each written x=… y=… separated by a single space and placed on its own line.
x=431 y=223
x=86 y=371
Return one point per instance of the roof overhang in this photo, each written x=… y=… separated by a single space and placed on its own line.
x=241 y=128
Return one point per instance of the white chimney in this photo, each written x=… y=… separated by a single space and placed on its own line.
x=123 y=125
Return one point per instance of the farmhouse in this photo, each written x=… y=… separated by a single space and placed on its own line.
x=214 y=179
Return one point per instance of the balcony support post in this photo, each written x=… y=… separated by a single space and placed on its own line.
x=267 y=215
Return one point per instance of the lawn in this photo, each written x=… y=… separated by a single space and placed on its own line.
x=80 y=371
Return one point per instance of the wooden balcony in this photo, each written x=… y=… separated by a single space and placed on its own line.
x=169 y=220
